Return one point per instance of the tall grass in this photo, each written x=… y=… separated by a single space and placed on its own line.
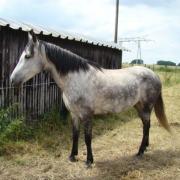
x=170 y=75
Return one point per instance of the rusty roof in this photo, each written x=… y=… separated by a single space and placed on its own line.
x=57 y=34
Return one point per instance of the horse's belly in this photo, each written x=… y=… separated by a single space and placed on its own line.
x=114 y=105
x=117 y=97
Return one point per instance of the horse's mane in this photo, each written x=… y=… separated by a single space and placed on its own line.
x=66 y=61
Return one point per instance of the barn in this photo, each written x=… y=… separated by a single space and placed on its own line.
x=40 y=94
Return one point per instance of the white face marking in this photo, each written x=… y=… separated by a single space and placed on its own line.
x=28 y=66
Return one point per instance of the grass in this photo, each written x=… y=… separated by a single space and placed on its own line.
x=170 y=75
x=116 y=138
x=51 y=133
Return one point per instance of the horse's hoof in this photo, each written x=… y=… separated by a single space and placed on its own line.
x=139 y=154
x=89 y=164
x=72 y=159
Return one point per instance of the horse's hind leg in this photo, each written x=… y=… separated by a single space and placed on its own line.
x=144 y=111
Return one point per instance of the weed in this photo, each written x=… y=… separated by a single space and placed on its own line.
x=12 y=130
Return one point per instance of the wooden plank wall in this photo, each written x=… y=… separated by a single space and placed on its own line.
x=40 y=94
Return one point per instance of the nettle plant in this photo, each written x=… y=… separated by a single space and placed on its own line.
x=13 y=128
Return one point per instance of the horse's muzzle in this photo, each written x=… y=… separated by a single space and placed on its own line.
x=15 y=82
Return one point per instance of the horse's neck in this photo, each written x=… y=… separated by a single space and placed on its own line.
x=55 y=74
x=71 y=78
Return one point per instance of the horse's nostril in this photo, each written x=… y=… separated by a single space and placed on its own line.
x=15 y=82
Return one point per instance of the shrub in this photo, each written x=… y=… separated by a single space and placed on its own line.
x=166 y=63
x=137 y=61
x=17 y=130
x=13 y=128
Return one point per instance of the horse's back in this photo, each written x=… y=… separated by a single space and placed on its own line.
x=139 y=74
x=135 y=71
x=109 y=91
x=122 y=88
x=149 y=83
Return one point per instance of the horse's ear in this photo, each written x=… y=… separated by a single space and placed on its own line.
x=32 y=36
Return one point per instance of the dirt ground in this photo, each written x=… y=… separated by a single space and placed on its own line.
x=114 y=153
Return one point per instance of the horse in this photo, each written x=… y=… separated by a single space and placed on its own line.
x=88 y=89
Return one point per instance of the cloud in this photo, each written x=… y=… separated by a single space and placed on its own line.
x=152 y=19
x=153 y=3
x=157 y=23
x=3 y=4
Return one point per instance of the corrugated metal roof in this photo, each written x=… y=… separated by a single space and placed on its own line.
x=58 y=34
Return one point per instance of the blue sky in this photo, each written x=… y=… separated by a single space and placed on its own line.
x=158 y=20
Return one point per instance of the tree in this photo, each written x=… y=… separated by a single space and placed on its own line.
x=166 y=63
x=137 y=61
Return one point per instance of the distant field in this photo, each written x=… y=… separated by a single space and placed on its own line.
x=116 y=139
x=170 y=75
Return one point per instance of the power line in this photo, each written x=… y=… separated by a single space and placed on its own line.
x=137 y=40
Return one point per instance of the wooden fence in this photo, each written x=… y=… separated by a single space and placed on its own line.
x=34 y=98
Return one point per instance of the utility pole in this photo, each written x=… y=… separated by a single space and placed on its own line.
x=139 y=49
x=116 y=21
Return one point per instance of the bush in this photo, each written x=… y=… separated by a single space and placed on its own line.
x=5 y=118
x=137 y=61
x=13 y=132
x=166 y=63
x=13 y=128
x=17 y=130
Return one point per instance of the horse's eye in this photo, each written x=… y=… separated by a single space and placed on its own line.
x=27 y=56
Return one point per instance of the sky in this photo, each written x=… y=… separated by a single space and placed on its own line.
x=157 y=20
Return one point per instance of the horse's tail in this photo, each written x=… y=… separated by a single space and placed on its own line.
x=160 y=113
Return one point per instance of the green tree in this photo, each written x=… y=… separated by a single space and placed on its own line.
x=137 y=61
x=166 y=63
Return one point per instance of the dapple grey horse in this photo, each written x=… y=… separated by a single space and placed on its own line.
x=89 y=89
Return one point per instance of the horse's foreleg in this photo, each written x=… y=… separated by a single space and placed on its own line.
x=75 y=137
x=88 y=137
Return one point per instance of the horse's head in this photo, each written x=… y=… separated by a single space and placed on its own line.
x=30 y=62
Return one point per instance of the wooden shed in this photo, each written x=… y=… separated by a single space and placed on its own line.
x=40 y=94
